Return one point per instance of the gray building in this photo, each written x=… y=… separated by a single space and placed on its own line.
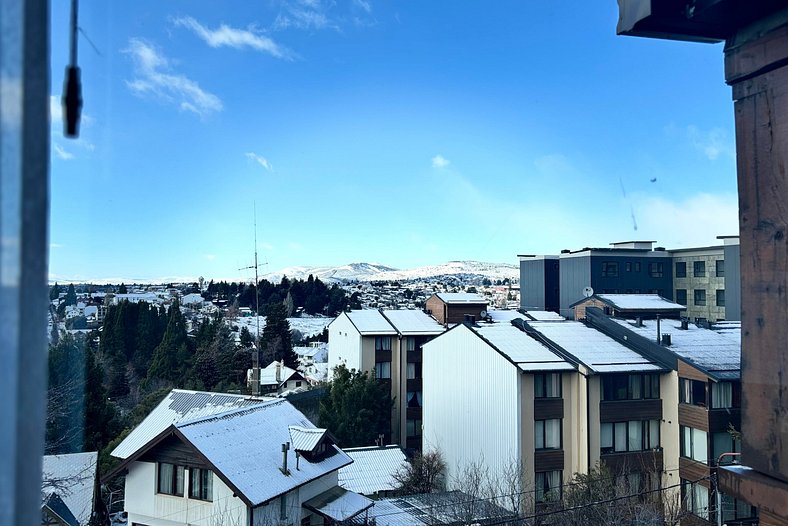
x=539 y=287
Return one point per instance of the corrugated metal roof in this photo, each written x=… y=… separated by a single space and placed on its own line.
x=544 y=315
x=245 y=446
x=412 y=321
x=338 y=504
x=268 y=374
x=460 y=297
x=596 y=350
x=75 y=474
x=54 y=506
x=505 y=316
x=370 y=322
x=435 y=509
x=177 y=406
x=645 y=302
x=373 y=469
x=716 y=350
x=305 y=438
x=521 y=348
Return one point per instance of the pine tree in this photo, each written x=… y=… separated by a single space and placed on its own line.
x=54 y=292
x=277 y=344
x=71 y=295
x=122 y=289
x=172 y=359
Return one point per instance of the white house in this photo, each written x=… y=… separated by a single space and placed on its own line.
x=277 y=378
x=245 y=461
x=193 y=299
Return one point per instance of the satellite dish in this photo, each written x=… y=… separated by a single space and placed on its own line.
x=483 y=314
x=588 y=292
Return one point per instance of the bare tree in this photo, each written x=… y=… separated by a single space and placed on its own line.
x=425 y=473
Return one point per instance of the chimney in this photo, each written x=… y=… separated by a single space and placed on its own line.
x=666 y=340
x=285 y=448
x=638 y=322
x=684 y=324
x=278 y=372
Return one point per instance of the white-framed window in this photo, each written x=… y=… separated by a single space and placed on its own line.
x=547 y=434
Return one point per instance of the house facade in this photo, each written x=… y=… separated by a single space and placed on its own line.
x=449 y=308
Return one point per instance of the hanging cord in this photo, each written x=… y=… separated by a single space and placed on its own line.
x=72 y=87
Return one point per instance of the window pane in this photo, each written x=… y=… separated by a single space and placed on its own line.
x=621 y=436
x=553 y=433
x=653 y=436
x=165 y=478
x=721 y=395
x=634 y=386
x=539 y=386
x=179 y=476
x=554 y=385
x=539 y=434
x=635 y=442
x=699 y=447
x=606 y=431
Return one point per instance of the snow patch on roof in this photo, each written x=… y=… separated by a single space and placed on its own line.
x=373 y=469
x=460 y=297
x=526 y=352
x=370 y=322
x=640 y=302
x=411 y=321
x=72 y=478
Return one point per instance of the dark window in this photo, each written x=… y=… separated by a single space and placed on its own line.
x=410 y=343
x=637 y=266
x=414 y=399
x=656 y=270
x=629 y=266
x=634 y=435
x=681 y=269
x=630 y=386
x=700 y=296
x=720 y=268
x=692 y=392
x=200 y=484
x=306 y=521
x=414 y=370
x=547 y=434
x=547 y=385
x=548 y=486
x=382 y=343
x=721 y=298
x=298 y=383
x=699 y=269
x=413 y=427
x=681 y=296
x=382 y=370
x=609 y=269
x=170 y=480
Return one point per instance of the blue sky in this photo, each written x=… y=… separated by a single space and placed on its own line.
x=404 y=133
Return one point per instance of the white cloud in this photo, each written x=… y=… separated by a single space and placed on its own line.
x=153 y=77
x=363 y=4
x=209 y=257
x=440 y=161
x=62 y=152
x=259 y=159
x=712 y=143
x=226 y=36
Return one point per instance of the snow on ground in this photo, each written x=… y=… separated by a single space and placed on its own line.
x=306 y=326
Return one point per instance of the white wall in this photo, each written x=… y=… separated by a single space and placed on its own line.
x=344 y=345
x=669 y=429
x=472 y=402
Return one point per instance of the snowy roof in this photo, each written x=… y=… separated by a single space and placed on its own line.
x=72 y=477
x=597 y=351
x=310 y=351
x=716 y=351
x=435 y=509
x=244 y=446
x=305 y=438
x=527 y=353
x=505 y=316
x=177 y=406
x=544 y=315
x=54 y=506
x=338 y=504
x=370 y=322
x=413 y=321
x=372 y=469
x=634 y=302
x=268 y=374
x=460 y=297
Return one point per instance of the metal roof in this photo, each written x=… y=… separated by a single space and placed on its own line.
x=373 y=469
x=460 y=297
x=244 y=445
x=305 y=438
x=527 y=353
x=544 y=315
x=72 y=477
x=412 y=321
x=436 y=509
x=338 y=504
x=177 y=406
x=596 y=350
x=645 y=302
x=505 y=316
x=716 y=350
x=370 y=322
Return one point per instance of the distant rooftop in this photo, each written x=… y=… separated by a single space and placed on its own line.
x=413 y=321
x=372 y=469
x=520 y=348
x=74 y=477
x=640 y=245
x=460 y=297
x=370 y=322
x=640 y=302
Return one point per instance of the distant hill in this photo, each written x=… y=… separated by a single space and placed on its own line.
x=377 y=272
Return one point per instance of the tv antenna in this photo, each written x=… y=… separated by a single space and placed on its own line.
x=256 y=352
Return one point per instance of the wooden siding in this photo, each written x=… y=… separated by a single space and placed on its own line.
x=623 y=410
x=694 y=416
x=692 y=470
x=174 y=451
x=546 y=408
x=634 y=461
x=688 y=371
x=549 y=460
x=457 y=312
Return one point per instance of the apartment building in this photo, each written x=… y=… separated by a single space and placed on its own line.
x=705 y=279
x=388 y=343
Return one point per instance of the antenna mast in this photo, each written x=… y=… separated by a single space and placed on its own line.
x=256 y=352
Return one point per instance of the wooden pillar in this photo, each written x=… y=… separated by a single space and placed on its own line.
x=756 y=67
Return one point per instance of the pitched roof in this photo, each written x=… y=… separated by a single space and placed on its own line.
x=305 y=438
x=716 y=351
x=72 y=477
x=243 y=446
x=436 y=509
x=594 y=349
x=268 y=374
x=413 y=321
x=460 y=297
x=54 y=506
x=640 y=302
x=370 y=322
x=372 y=469
x=177 y=406
x=338 y=504
x=505 y=316
x=544 y=315
x=520 y=348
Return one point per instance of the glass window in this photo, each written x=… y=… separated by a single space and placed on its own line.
x=681 y=269
x=413 y=427
x=721 y=395
x=699 y=269
x=694 y=444
x=200 y=484
x=383 y=370
x=695 y=498
x=720 y=268
x=629 y=266
x=681 y=296
x=382 y=343
x=724 y=443
x=692 y=392
x=170 y=479
x=414 y=399
x=637 y=267
x=656 y=270
x=548 y=486
x=630 y=387
x=547 y=434
x=720 y=297
x=413 y=370
x=547 y=385
x=410 y=343
x=609 y=269
x=635 y=435
x=700 y=297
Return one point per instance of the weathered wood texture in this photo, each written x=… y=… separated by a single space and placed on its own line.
x=549 y=460
x=694 y=416
x=546 y=408
x=621 y=411
x=759 y=76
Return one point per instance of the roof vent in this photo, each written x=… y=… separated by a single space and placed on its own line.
x=684 y=324
x=659 y=249
x=565 y=251
x=666 y=340
x=638 y=322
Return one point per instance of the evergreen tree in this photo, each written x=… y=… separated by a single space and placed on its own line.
x=54 y=292
x=122 y=289
x=246 y=338
x=171 y=358
x=276 y=341
x=356 y=408
x=71 y=295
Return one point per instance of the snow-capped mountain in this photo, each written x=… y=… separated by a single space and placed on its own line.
x=377 y=272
